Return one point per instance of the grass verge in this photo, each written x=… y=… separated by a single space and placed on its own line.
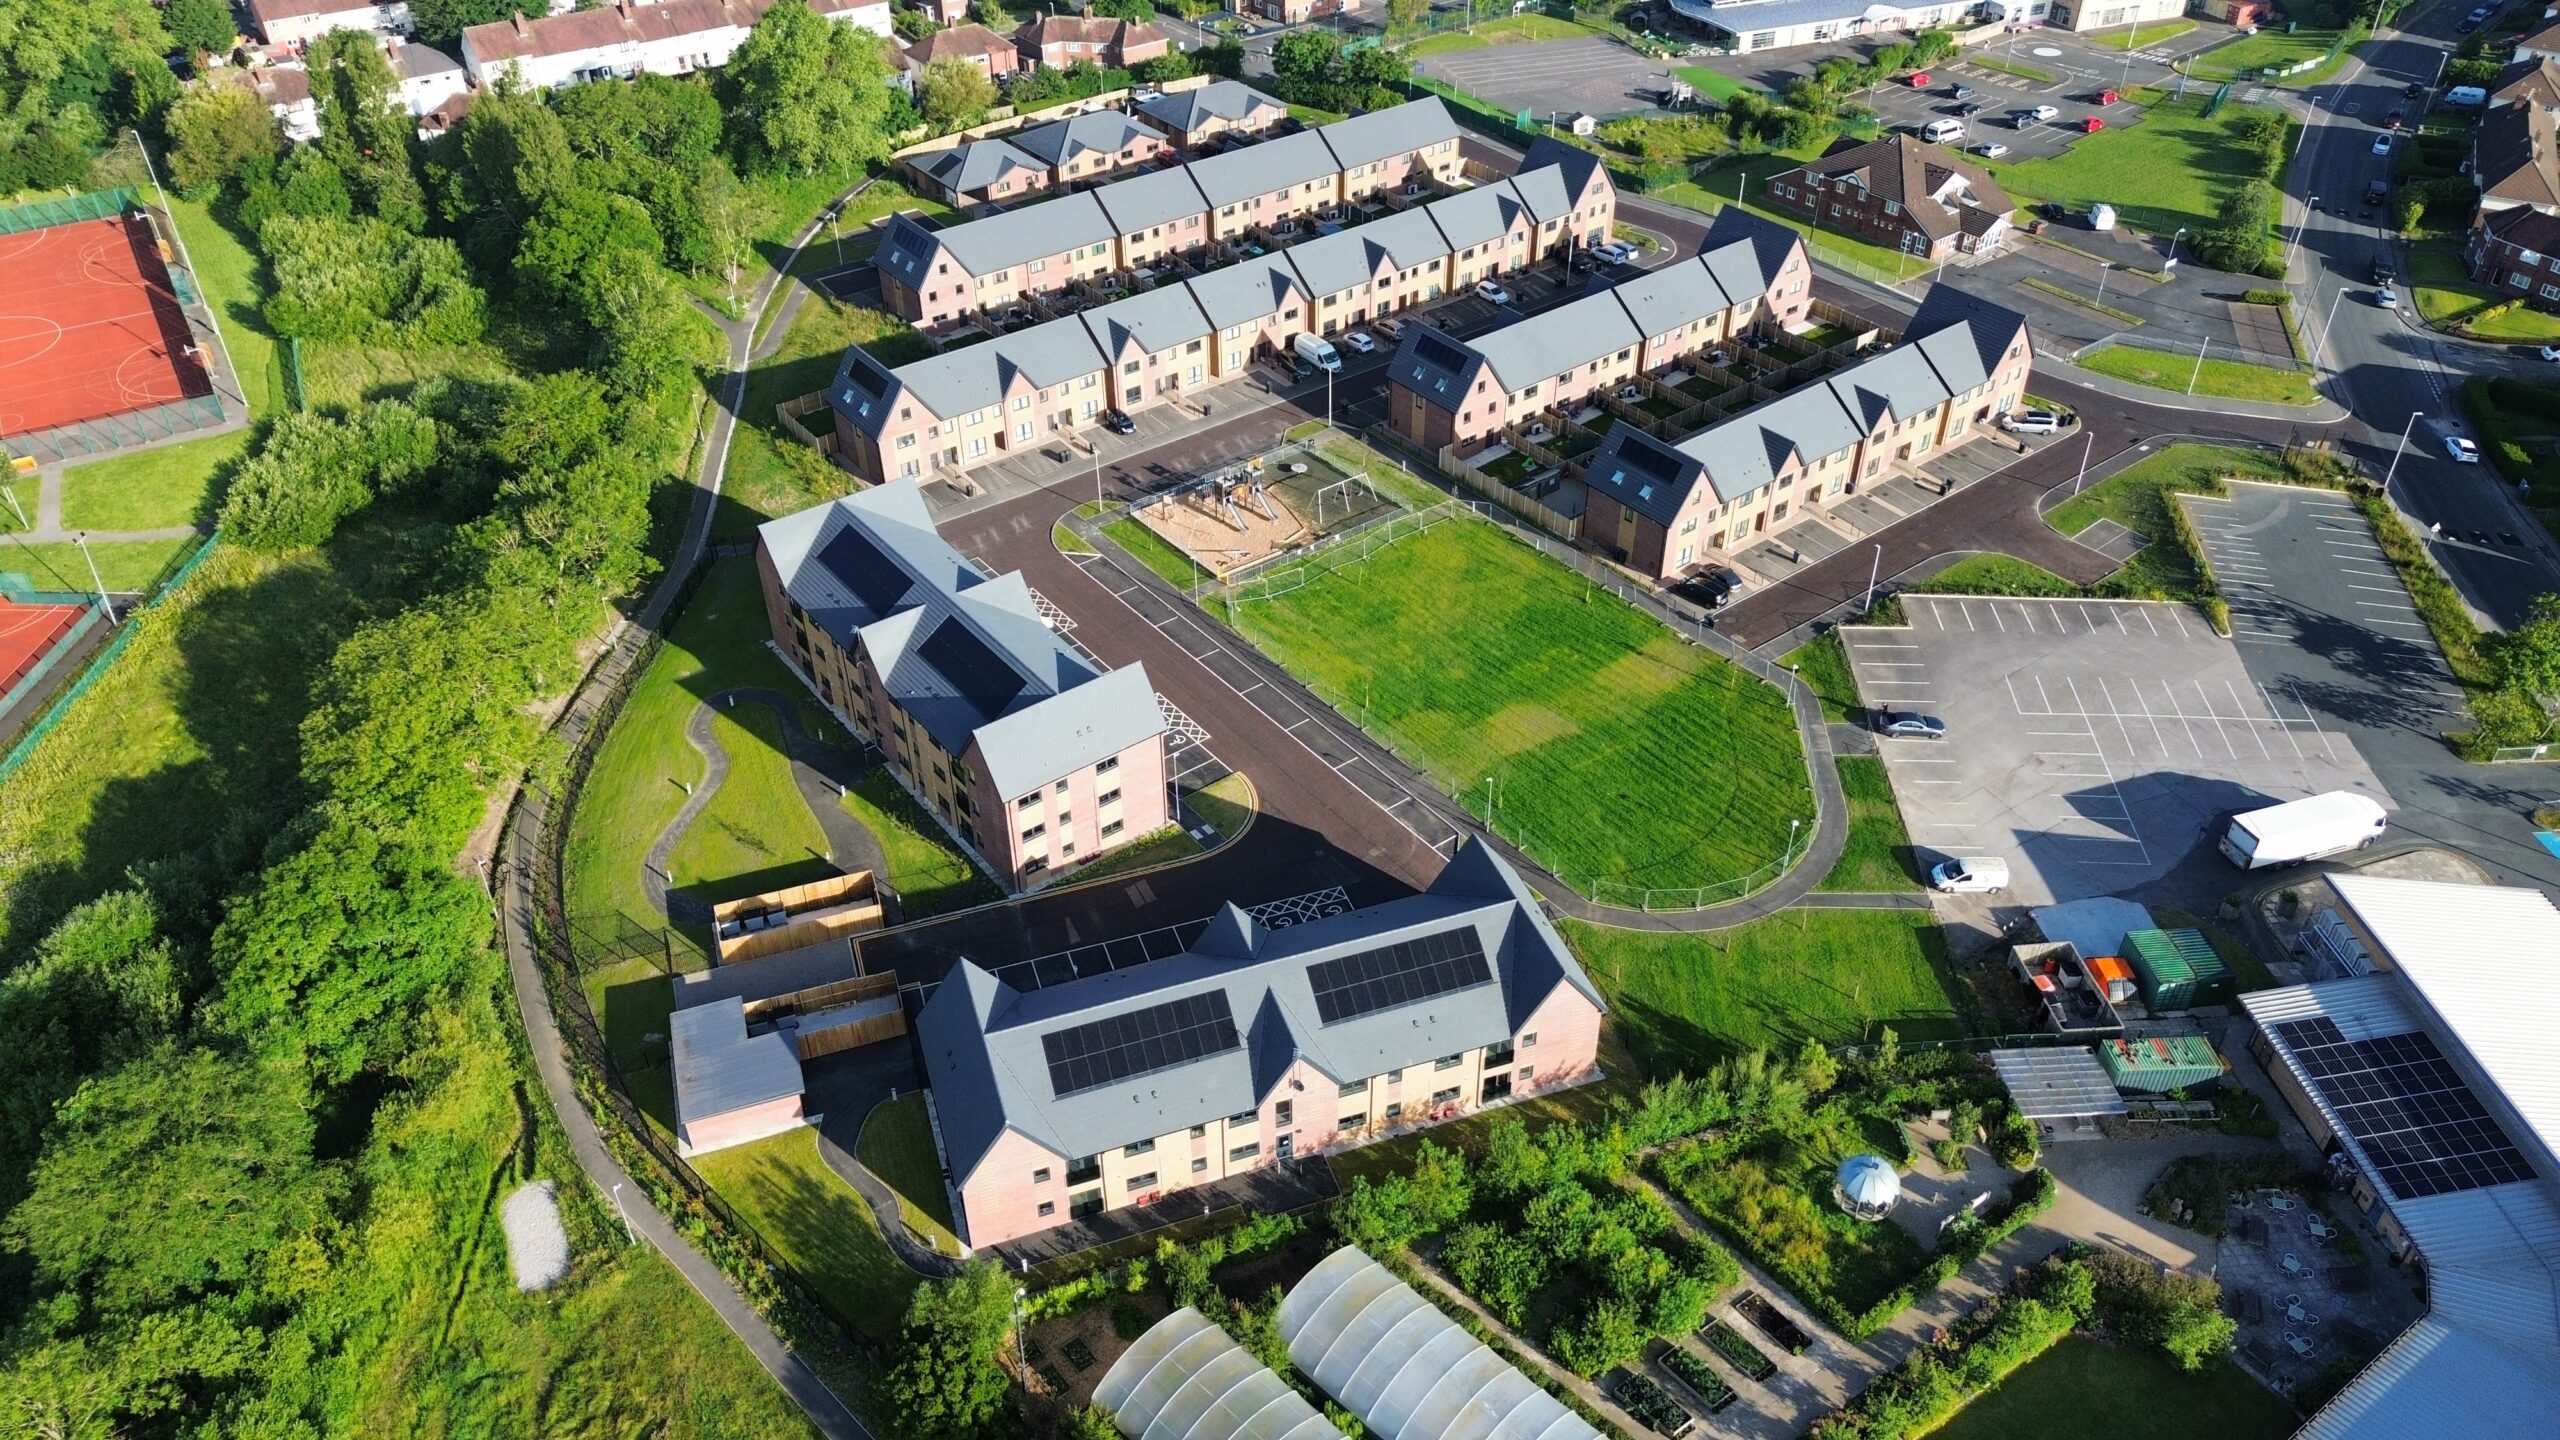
x=150 y=489
x=2230 y=379
x=897 y=1145
x=769 y=472
x=1156 y=553
x=2032 y=74
x=1878 y=857
x=816 y=1223
x=756 y=834
x=123 y=565
x=2093 y=1390
x=2086 y=302
x=931 y=876
x=1823 y=664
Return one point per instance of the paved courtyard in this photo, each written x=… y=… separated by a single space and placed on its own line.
x=2089 y=743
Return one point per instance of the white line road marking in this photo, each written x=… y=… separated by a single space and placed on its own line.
x=2030 y=617
x=2173 y=709
x=2325 y=747
x=2240 y=709
x=2282 y=725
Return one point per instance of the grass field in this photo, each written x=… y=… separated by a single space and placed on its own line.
x=2269 y=47
x=769 y=472
x=1626 y=757
x=2170 y=169
x=229 y=274
x=1156 y=553
x=931 y=877
x=1684 y=1001
x=123 y=565
x=2232 y=379
x=757 y=833
x=632 y=790
x=2136 y=497
x=1745 y=176
x=2143 y=37
x=1713 y=84
x=2091 y=1390
x=2006 y=65
x=149 y=489
x=1878 y=856
x=1995 y=575
x=1824 y=666
x=1510 y=30
x=817 y=1224
x=897 y=1146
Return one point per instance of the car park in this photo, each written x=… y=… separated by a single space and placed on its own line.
x=1360 y=342
x=1118 y=423
x=2045 y=112
x=2395 y=120
x=1990 y=149
x=1910 y=725
x=1920 y=79
x=1970 y=875
x=1615 y=252
x=1959 y=91
x=1487 y=290
x=2462 y=450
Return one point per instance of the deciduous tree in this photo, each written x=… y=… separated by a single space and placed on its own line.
x=201 y=27
x=948 y=1382
x=809 y=94
x=952 y=93
x=220 y=133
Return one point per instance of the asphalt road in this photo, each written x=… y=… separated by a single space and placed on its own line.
x=2387 y=367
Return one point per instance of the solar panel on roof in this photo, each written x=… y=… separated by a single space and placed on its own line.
x=2418 y=1124
x=1440 y=351
x=1404 y=973
x=980 y=675
x=1140 y=1042
x=864 y=569
x=1649 y=459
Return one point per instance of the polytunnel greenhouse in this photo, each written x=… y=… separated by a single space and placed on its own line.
x=1408 y=1371
x=1186 y=1379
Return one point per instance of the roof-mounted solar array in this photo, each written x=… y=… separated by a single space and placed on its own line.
x=2419 y=1125
x=982 y=677
x=860 y=567
x=1118 y=1047
x=1403 y=973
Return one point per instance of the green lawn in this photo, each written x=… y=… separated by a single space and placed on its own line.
x=632 y=792
x=1878 y=856
x=1996 y=575
x=1682 y=1002
x=2232 y=379
x=2523 y=323
x=2143 y=37
x=1618 y=755
x=2136 y=497
x=930 y=875
x=2171 y=168
x=2091 y=1390
x=897 y=1146
x=1714 y=84
x=149 y=489
x=2269 y=47
x=1824 y=666
x=817 y=1224
x=757 y=833
x=2006 y=65
x=123 y=565
x=229 y=274
x=770 y=473
x=1510 y=30
x=1156 y=553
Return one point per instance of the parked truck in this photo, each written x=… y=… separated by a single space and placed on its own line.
x=2301 y=830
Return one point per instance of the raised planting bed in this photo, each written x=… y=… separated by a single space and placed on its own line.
x=1652 y=1405
x=1701 y=1378
x=1769 y=1320
x=1737 y=1351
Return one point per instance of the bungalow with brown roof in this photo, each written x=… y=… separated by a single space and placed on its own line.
x=1058 y=41
x=1899 y=193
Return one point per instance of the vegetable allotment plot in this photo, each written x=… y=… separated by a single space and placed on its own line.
x=1635 y=766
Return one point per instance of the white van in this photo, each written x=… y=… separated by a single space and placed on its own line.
x=1971 y=875
x=1941 y=132
x=2466 y=95
x=1318 y=351
x=2102 y=216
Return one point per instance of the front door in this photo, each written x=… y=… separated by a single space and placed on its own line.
x=1288 y=1144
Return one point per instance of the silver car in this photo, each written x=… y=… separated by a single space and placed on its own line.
x=1908 y=725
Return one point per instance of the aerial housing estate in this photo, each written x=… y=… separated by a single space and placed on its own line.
x=1033 y=756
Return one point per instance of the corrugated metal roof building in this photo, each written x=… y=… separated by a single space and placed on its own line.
x=2159 y=1064
x=2179 y=969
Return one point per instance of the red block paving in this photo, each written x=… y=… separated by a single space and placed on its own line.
x=89 y=326
x=27 y=634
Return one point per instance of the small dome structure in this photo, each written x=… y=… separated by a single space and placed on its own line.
x=1866 y=1186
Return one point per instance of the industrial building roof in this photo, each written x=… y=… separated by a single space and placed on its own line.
x=1186 y=1379
x=2160 y=1062
x=1372 y=1342
x=2057 y=1084
x=719 y=1067
x=1132 y=1054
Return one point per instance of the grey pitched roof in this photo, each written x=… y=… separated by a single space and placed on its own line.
x=1888 y=389
x=956 y=382
x=977 y=165
x=1096 y=132
x=1234 y=175
x=1057 y=714
x=1553 y=342
x=1402 y=130
x=719 y=1067
x=1661 y=301
x=1745 y=252
x=1651 y=477
x=983 y=1040
x=1473 y=217
x=1436 y=367
x=1337 y=262
x=1030 y=233
x=418 y=61
x=1247 y=291
x=1965 y=336
x=1141 y=201
x=1747 y=452
x=1543 y=191
x=1915 y=175
x=1574 y=166
x=907 y=248
x=864 y=391
x=1157 y=319
x=1228 y=100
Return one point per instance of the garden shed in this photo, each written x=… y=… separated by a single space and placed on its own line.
x=1186 y=1379
x=2159 y=1064
x=2179 y=969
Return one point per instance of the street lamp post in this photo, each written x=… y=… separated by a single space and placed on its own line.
x=1875 y=572
x=2105 y=268
x=2172 y=262
x=2299 y=226
x=2403 y=448
x=2322 y=349
x=81 y=539
x=627 y=1232
x=2088 y=443
x=2198 y=373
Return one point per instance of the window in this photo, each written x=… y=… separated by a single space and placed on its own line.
x=1284 y=1113
x=1040 y=1176
x=1243 y=1154
x=1395 y=1077
x=1021 y=402
x=2550 y=292
x=1521 y=1075
x=1114 y=828
x=1356 y=1087
x=1529 y=1041
x=1034 y=833
x=1351 y=1121
x=1448 y=1062
x=1027 y=802
x=1084 y=1171
x=1199 y=1132
x=1140 y=1182
x=1199 y=1167
x=1048 y=1208
x=1444 y=1097
x=1108 y=796
x=1395 y=1111
x=1143 y=1147
x=2519 y=279
x=1246 y=1118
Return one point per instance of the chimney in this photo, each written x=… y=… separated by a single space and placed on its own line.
x=521 y=28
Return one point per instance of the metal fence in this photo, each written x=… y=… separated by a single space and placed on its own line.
x=108 y=433
x=175 y=574
x=2207 y=349
x=2523 y=754
x=65 y=210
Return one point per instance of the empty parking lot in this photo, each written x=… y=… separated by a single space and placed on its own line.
x=1558 y=78
x=2088 y=743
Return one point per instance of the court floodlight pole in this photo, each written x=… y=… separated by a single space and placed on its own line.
x=81 y=539
x=212 y=320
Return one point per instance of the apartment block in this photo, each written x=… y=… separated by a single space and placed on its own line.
x=1031 y=756
x=1660 y=507
x=1254 y=1047
x=1447 y=393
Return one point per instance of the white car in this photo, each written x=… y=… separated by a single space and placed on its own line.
x=1615 y=252
x=2044 y=112
x=1360 y=341
x=2462 y=450
x=2032 y=422
x=2381 y=144
x=2387 y=298
x=2550 y=352
x=1990 y=149
x=1487 y=290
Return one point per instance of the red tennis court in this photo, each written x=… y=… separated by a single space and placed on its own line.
x=28 y=633
x=89 y=326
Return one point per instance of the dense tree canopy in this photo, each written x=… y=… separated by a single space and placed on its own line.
x=219 y=134
x=948 y=1382
x=952 y=93
x=200 y=27
x=441 y=22
x=809 y=94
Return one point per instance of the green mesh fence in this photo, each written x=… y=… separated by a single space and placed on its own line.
x=39 y=214
x=62 y=703
x=114 y=432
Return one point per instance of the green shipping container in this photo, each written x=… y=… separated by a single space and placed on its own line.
x=2159 y=1065
x=2178 y=969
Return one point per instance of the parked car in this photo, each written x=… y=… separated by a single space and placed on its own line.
x=2382 y=144
x=2413 y=90
x=2387 y=298
x=1969 y=109
x=2091 y=125
x=1118 y=423
x=1959 y=91
x=1615 y=252
x=2462 y=450
x=2382 y=273
x=1703 y=591
x=2395 y=120
x=1990 y=149
x=1487 y=290
x=2550 y=352
x=1391 y=329
x=2021 y=119
x=1360 y=342
x=1910 y=725
x=1299 y=366
x=1970 y=875
x=1919 y=80
x=2032 y=422
x=2045 y=112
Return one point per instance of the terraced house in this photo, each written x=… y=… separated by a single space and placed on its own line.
x=1221 y=109
x=940 y=278
x=1046 y=381
x=1660 y=507
x=1035 y=758
x=1445 y=393
x=1253 y=1047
